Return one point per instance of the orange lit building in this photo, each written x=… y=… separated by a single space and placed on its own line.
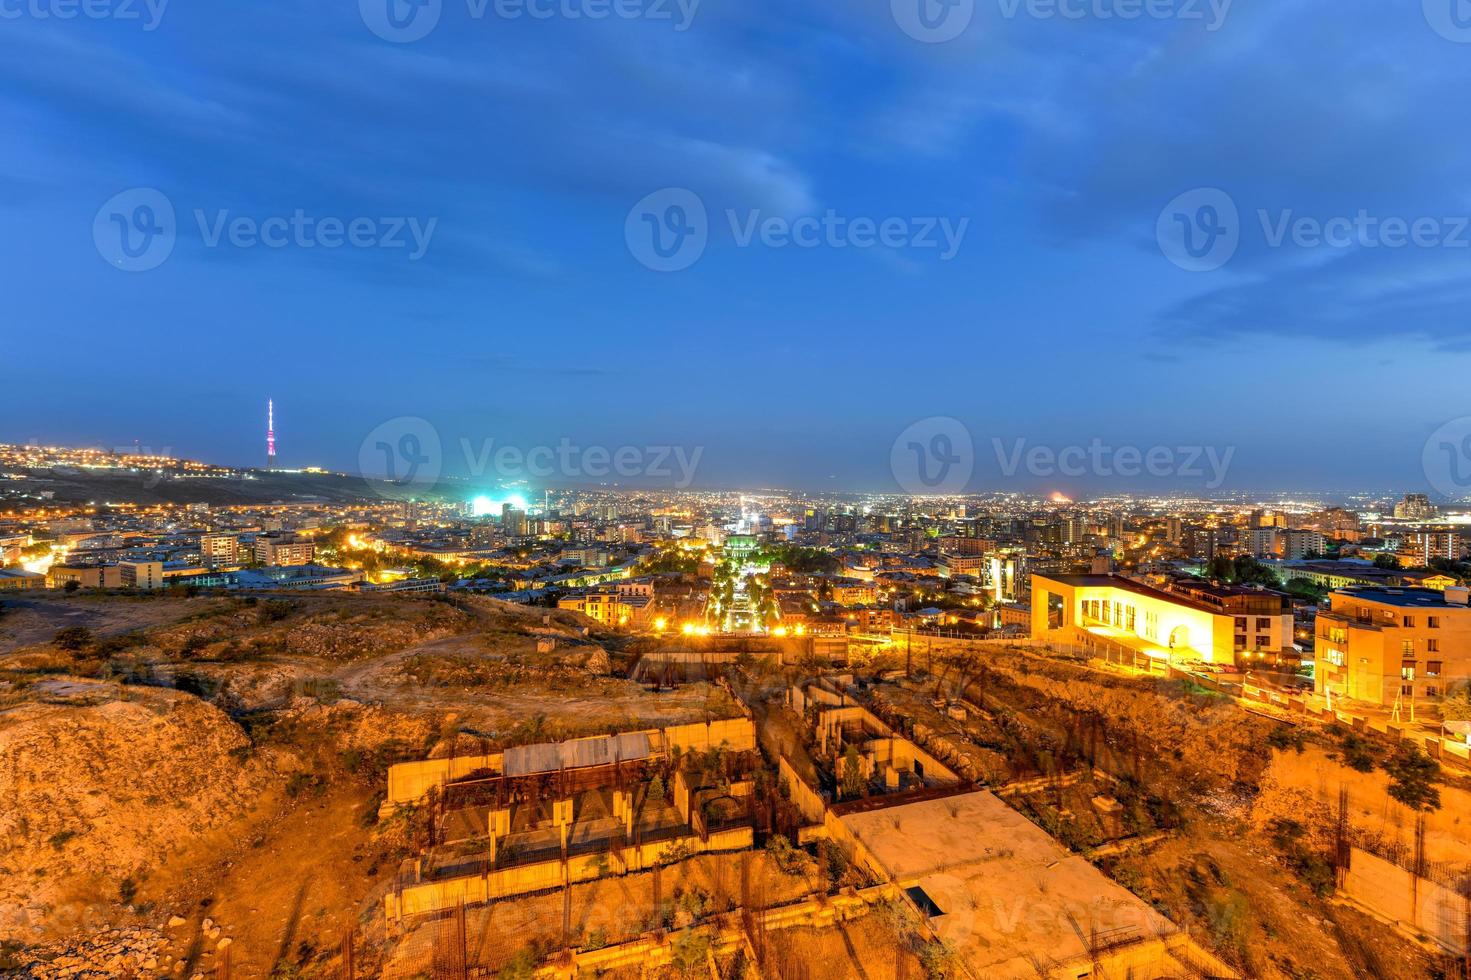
x=1385 y=645
x=1194 y=621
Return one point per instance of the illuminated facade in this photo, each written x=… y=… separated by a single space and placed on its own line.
x=1386 y=645
x=1214 y=624
x=271 y=550
x=626 y=604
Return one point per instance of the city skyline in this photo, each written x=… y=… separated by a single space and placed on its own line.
x=1031 y=288
x=1096 y=469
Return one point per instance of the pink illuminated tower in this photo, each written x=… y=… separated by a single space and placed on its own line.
x=271 y=434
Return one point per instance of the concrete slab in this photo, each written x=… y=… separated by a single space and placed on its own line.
x=1012 y=901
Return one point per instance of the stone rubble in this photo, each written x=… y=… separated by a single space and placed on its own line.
x=141 y=953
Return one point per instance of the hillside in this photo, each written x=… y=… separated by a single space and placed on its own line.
x=222 y=759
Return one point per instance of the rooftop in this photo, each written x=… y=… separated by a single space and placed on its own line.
x=1137 y=588
x=1408 y=598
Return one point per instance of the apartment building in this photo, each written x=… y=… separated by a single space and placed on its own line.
x=273 y=549
x=1385 y=645
x=952 y=565
x=614 y=605
x=220 y=548
x=141 y=574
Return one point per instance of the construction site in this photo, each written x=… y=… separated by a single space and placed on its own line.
x=856 y=823
x=974 y=809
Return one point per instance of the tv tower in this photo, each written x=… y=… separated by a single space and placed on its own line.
x=271 y=434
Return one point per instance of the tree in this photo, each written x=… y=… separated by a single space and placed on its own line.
x=1386 y=561
x=1412 y=778
x=1457 y=707
x=690 y=951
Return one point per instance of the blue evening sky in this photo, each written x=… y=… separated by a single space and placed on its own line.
x=529 y=319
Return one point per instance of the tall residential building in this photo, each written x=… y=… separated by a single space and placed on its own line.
x=1428 y=545
x=1262 y=542
x=513 y=521
x=220 y=548
x=1203 y=542
x=276 y=549
x=1415 y=507
x=1301 y=543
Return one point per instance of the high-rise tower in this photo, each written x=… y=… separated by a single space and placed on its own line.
x=271 y=434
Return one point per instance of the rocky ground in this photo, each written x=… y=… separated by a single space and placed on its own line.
x=176 y=772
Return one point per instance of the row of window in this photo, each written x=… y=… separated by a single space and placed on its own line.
x=1110 y=613
x=1433 y=668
